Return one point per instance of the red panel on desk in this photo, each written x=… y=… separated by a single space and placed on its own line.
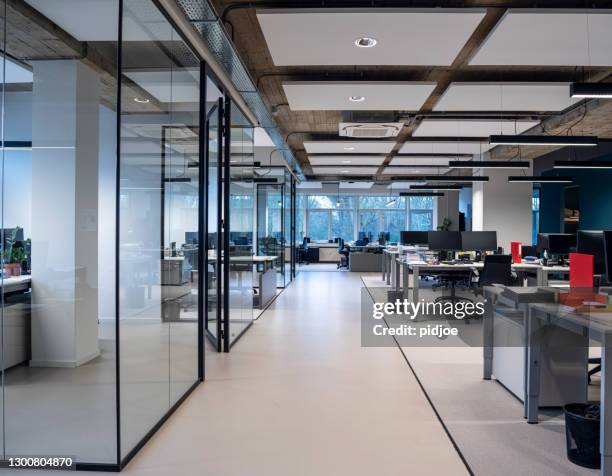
x=581 y=270
x=515 y=248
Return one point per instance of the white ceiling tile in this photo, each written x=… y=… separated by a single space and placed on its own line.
x=334 y=96
x=410 y=171
x=327 y=36
x=421 y=147
x=349 y=147
x=506 y=97
x=549 y=38
x=169 y=86
x=421 y=160
x=470 y=128
x=346 y=160
x=348 y=170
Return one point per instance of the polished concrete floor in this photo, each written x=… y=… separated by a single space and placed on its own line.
x=299 y=395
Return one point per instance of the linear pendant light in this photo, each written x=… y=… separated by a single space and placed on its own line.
x=588 y=141
x=582 y=164
x=591 y=90
x=421 y=194
x=540 y=179
x=489 y=164
x=456 y=178
x=433 y=186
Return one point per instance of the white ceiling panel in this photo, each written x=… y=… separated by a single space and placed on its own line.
x=470 y=128
x=185 y=84
x=346 y=160
x=549 y=38
x=419 y=171
x=377 y=96
x=349 y=147
x=421 y=160
x=309 y=185
x=327 y=36
x=506 y=97
x=348 y=170
x=444 y=147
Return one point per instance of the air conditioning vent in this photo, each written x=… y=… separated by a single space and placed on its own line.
x=372 y=130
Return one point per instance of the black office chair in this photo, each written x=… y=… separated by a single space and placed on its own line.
x=302 y=252
x=344 y=254
x=450 y=279
x=497 y=270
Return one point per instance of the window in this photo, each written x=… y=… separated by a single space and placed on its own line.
x=330 y=216
x=421 y=213
x=318 y=225
x=382 y=214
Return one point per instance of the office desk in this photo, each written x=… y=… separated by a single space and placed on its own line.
x=418 y=267
x=596 y=326
x=16 y=283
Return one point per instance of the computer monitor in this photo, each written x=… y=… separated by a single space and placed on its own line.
x=191 y=237
x=365 y=236
x=444 y=240
x=385 y=235
x=556 y=243
x=479 y=240
x=593 y=243
x=413 y=237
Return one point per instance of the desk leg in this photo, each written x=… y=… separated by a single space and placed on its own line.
x=605 y=440
x=542 y=277
x=532 y=400
x=389 y=266
x=487 y=344
x=396 y=279
x=405 y=280
x=416 y=282
x=384 y=265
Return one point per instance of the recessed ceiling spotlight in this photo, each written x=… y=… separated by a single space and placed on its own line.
x=142 y=101
x=365 y=42
x=346 y=161
x=349 y=148
x=357 y=98
x=345 y=171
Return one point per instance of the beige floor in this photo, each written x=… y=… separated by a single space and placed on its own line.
x=298 y=395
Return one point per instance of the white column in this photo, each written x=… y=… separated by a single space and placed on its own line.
x=65 y=169
x=498 y=205
x=448 y=207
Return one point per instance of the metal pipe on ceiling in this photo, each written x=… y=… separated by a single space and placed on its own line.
x=193 y=36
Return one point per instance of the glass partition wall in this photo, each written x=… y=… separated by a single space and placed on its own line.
x=112 y=159
x=275 y=220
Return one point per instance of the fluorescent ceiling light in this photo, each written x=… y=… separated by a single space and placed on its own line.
x=349 y=148
x=540 y=179
x=356 y=98
x=457 y=178
x=591 y=90
x=588 y=141
x=582 y=164
x=489 y=164
x=365 y=42
x=142 y=101
x=433 y=186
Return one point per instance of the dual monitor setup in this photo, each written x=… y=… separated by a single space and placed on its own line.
x=451 y=240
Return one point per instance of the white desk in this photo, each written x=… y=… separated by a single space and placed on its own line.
x=16 y=283
x=542 y=272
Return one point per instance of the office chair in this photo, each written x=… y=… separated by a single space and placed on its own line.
x=302 y=254
x=344 y=254
x=450 y=279
x=596 y=369
x=497 y=270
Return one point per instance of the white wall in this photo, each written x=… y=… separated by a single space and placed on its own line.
x=505 y=207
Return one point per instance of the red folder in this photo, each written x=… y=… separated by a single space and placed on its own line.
x=515 y=248
x=581 y=270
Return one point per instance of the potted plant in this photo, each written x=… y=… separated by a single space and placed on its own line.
x=445 y=226
x=13 y=255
